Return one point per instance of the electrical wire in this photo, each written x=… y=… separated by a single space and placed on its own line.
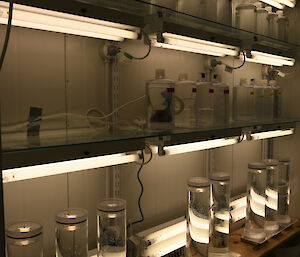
x=7 y=34
x=148 y=41
x=151 y=154
x=142 y=191
x=244 y=61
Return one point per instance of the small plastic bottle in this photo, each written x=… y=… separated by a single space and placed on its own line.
x=204 y=102
x=243 y=101
x=160 y=102
x=221 y=101
x=185 y=102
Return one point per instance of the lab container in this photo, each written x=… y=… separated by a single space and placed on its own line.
x=271 y=225
x=259 y=97
x=256 y=204
x=262 y=21
x=160 y=102
x=246 y=17
x=185 y=102
x=198 y=216
x=221 y=103
x=24 y=239
x=282 y=24
x=268 y=110
x=111 y=226
x=72 y=233
x=282 y=215
x=277 y=106
x=195 y=8
x=224 y=12
x=204 y=102
x=243 y=102
x=272 y=24
x=220 y=193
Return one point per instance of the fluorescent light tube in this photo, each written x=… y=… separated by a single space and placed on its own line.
x=273 y=3
x=37 y=18
x=198 y=146
x=271 y=134
x=269 y=59
x=287 y=3
x=188 y=44
x=44 y=170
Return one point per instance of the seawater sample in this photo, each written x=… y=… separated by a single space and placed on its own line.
x=72 y=233
x=256 y=203
x=24 y=239
x=220 y=194
x=185 y=102
x=198 y=216
x=160 y=102
x=111 y=225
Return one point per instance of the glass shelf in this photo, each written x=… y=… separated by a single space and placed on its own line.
x=57 y=145
x=136 y=12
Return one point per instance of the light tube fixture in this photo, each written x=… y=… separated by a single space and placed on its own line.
x=271 y=134
x=273 y=3
x=44 y=170
x=287 y=3
x=198 y=146
x=193 y=45
x=269 y=59
x=37 y=18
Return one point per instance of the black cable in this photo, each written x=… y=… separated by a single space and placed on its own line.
x=151 y=155
x=129 y=56
x=7 y=34
x=235 y=68
x=142 y=191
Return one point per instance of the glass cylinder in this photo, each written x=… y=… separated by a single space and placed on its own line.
x=243 y=102
x=277 y=105
x=282 y=26
x=220 y=193
x=204 y=102
x=224 y=12
x=160 y=102
x=256 y=204
x=271 y=225
x=185 y=102
x=72 y=233
x=259 y=97
x=24 y=239
x=282 y=216
x=272 y=24
x=246 y=17
x=111 y=225
x=262 y=21
x=198 y=216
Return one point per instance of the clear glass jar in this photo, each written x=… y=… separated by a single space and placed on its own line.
x=221 y=103
x=24 y=239
x=282 y=216
x=198 y=216
x=160 y=102
x=272 y=24
x=262 y=21
x=204 y=102
x=243 y=102
x=220 y=193
x=224 y=12
x=271 y=225
x=256 y=203
x=185 y=102
x=282 y=26
x=246 y=17
x=111 y=225
x=71 y=233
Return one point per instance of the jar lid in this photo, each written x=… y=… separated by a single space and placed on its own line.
x=24 y=229
x=72 y=216
x=284 y=160
x=271 y=162
x=257 y=165
x=198 y=182
x=246 y=6
x=112 y=205
x=219 y=176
